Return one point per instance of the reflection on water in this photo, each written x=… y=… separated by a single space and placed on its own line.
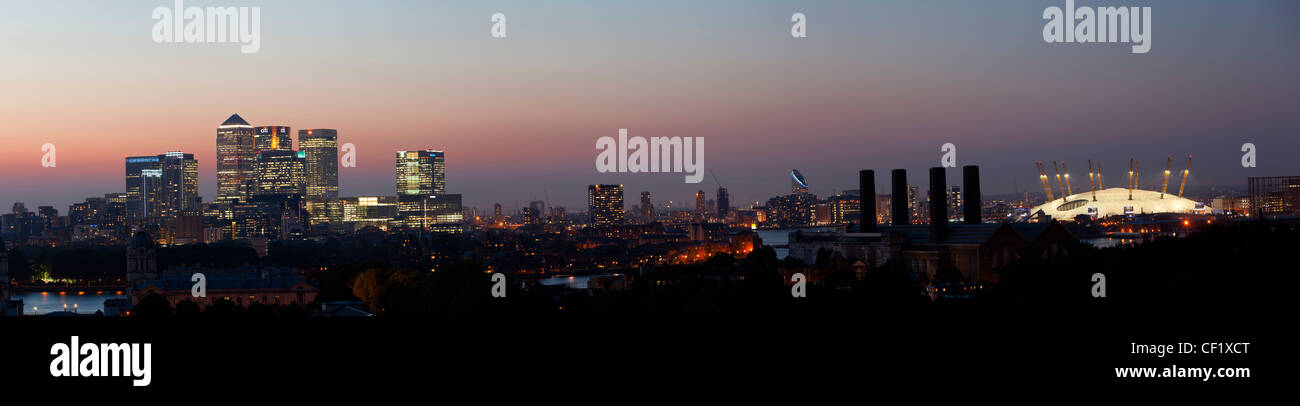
x=1108 y=242
x=781 y=238
x=46 y=302
x=574 y=282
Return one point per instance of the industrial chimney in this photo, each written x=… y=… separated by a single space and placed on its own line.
x=900 y=214
x=867 y=191
x=970 y=197
x=938 y=205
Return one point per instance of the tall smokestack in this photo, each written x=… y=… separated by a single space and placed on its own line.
x=899 y=199
x=970 y=197
x=938 y=205
x=867 y=191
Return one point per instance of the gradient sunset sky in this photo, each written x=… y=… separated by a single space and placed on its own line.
x=876 y=85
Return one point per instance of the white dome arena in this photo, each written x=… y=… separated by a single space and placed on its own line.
x=1115 y=202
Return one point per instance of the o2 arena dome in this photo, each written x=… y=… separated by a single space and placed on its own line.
x=1115 y=202
x=1100 y=202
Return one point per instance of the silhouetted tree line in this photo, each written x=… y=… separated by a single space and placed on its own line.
x=90 y=262
x=1233 y=266
x=154 y=305
x=1225 y=266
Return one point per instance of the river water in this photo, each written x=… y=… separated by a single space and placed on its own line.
x=81 y=302
x=782 y=238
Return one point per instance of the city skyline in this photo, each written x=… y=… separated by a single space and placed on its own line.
x=822 y=95
x=274 y=198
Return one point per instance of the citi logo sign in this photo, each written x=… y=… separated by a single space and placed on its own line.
x=1103 y=24
x=99 y=360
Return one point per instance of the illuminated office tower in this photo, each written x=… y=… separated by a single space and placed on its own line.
x=955 y=206
x=605 y=204
x=421 y=173
x=421 y=192
x=276 y=207
x=171 y=190
x=180 y=177
x=235 y=160
x=321 y=147
x=272 y=138
x=845 y=207
x=701 y=210
x=281 y=173
x=136 y=189
x=151 y=194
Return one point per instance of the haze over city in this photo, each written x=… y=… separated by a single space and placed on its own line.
x=518 y=117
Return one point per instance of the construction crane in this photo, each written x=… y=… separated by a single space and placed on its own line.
x=1092 y=181
x=1186 y=171
x=1047 y=186
x=1165 y=186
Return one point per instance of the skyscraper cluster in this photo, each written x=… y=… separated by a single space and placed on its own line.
x=266 y=188
x=162 y=194
x=161 y=186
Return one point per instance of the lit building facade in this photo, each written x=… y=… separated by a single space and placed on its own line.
x=236 y=157
x=605 y=205
x=844 y=208
x=1274 y=195
x=321 y=147
x=162 y=186
x=322 y=174
x=421 y=173
x=272 y=138
x=281 y=173
x=436 y=213
x=369 y=211
x=954 y=203
x=421 y=182
x=701 y=208
x=142 y=194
